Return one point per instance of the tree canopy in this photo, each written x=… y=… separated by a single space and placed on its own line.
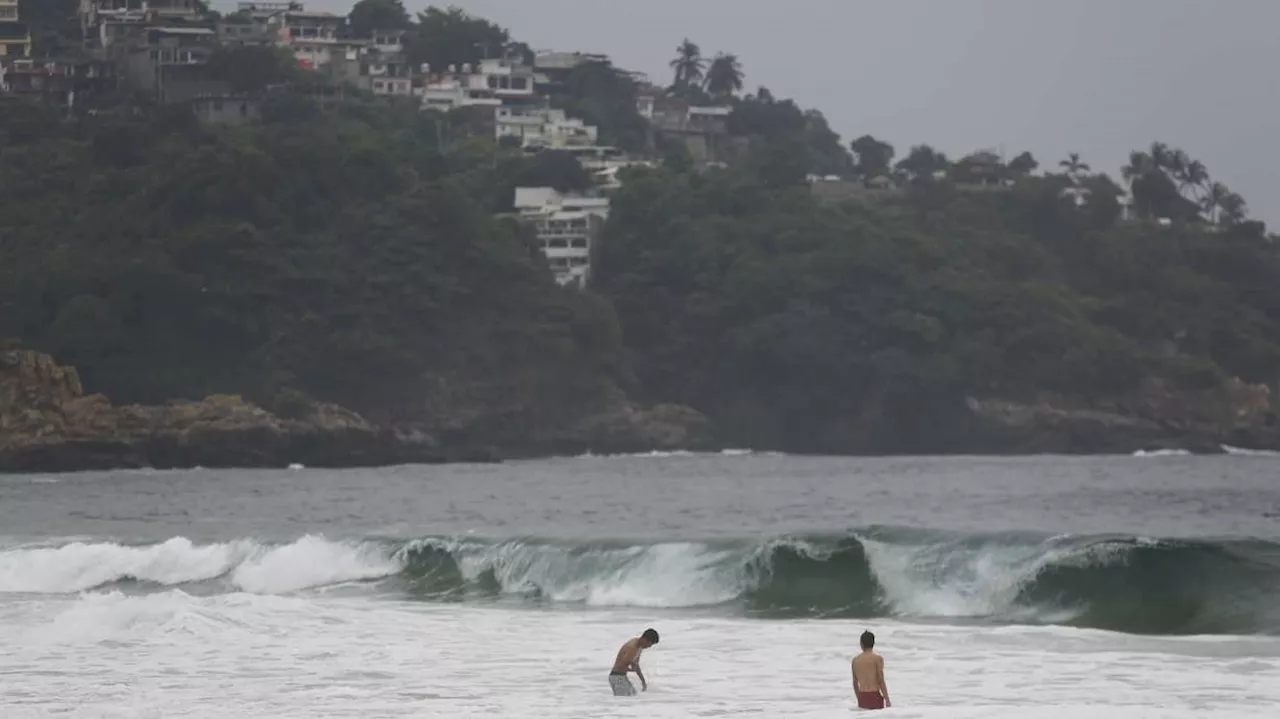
x=358 y=252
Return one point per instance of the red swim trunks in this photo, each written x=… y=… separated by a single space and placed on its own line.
x=870 y=700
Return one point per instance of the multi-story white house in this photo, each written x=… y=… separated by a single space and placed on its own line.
x=567 y=227
x=15 y=37
x=487 y=83
x=542 y=127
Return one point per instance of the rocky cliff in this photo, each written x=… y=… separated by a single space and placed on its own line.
x=48 y=423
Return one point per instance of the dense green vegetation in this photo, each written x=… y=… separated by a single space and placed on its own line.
x=341 y=255
x=352 y=255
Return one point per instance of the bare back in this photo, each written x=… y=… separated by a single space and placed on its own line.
x=868 y=670
x=628 y=655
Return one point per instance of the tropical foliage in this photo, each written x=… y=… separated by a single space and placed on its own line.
x=358 y=253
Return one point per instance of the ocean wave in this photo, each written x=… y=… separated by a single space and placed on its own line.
x=1122 y=583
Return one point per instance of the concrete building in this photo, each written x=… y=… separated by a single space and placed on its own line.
x=170 y=64
x=15 y=35
x=703 y=130
x=567 y=228
x=542 y=127
x=488 y=83
x=15 y=40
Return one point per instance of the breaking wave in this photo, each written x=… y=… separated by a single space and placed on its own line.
x=1122 y=583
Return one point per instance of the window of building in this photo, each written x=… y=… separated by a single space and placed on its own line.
x=8 y=13
x=558 y=244
x=217 y=107
x=580 y=243
x=519 y=83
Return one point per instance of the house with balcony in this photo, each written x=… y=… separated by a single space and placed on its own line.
x=15 y=35
x=15 y=40
x=242 y=29
x=385 y=69
x=490 y=83
x=542 y=127
x=170 y=64
x=567 y=228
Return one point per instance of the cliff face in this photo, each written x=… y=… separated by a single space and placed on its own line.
x=48 y=423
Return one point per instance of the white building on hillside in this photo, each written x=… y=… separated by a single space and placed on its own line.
x=542 y=127
x=567 y=227
x=489 y=82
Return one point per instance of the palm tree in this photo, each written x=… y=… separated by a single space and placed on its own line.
x=724 y=75
x=1073 y=165
x=1193 y=174
x=1233 y=209
x=1215 y=196
x=688 y=65
x=1161 y=156
x=1140 y=165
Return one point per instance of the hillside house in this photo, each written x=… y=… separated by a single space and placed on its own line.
x=489 y=83
x=704 y=130
x=542 y=127
x=15 y=39
x=567 y=228
x=171 y=63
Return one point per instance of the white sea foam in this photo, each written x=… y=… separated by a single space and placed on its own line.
x=170 y=654
x=308 y=562
x=1246 y=452
x=1162 y=453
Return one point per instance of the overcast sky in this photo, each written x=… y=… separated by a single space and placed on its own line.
x=1099 y=77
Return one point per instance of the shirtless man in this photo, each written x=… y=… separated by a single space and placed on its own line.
x=868 y=676
x=629 y=661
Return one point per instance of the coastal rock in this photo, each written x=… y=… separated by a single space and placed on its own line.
x=630 y=428
x=47 y=423
x=1155 y=416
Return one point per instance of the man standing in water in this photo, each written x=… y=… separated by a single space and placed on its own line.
x=629 y=661
x=868 y=676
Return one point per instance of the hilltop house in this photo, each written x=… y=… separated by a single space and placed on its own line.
x=384 y=64
x=703 y=130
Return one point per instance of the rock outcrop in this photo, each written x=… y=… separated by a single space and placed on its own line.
x=48 y=423
x=1156 y=416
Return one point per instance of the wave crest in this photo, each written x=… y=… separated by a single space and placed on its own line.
x=1108 y=582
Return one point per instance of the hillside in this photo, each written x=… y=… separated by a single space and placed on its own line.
x=355 y=253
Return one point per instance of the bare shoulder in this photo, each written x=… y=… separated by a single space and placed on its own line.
x=879 y=661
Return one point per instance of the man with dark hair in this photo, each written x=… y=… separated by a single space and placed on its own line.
x=868 y=676
x=629 y=661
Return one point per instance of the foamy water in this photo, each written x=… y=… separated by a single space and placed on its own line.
x=243 y=655
x=504 y=591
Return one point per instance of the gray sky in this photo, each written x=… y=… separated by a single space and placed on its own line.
x=1099 y=77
